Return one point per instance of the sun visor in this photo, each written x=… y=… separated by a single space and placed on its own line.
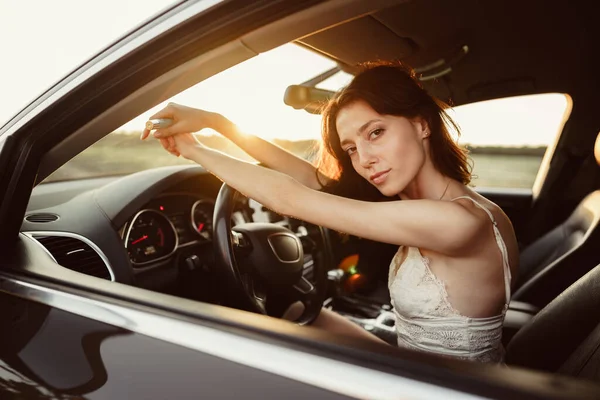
x=360 y=40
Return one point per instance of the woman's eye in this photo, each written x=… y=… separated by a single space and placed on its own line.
x=376 y=133
x=350 y=150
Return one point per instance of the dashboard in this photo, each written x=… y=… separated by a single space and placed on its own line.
x=151 y=229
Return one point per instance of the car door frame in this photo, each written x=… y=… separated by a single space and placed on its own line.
x=76 y=100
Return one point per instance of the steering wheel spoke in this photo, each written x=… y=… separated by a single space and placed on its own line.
x=256 y=289
x=304 y=287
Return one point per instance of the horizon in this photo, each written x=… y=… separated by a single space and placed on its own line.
x=136 y=134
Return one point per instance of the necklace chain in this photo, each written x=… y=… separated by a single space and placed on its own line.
x=445 y=190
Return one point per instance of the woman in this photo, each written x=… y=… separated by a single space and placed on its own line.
x=385 y=138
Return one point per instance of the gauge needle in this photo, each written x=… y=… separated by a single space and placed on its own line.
x=200 y=226
x=162 y=236
x=140 y=239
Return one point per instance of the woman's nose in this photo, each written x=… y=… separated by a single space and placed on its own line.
x=366 y=157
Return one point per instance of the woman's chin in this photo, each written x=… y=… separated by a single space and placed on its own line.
x=390 y=189
x=387 y=191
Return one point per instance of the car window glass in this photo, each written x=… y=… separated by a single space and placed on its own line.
x=250 y=94
x=507 y=138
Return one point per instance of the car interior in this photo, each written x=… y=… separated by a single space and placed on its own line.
x=178 y=231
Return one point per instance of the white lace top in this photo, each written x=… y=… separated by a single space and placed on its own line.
x=425 y=319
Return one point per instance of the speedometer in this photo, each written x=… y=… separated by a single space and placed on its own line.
x=150 y=237
x=202 y=216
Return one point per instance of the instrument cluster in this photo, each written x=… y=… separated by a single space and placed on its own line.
x=150 y=237
x=166 y=224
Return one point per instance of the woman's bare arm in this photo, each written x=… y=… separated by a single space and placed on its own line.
x=187 y=119
x=445 y=227
x=274 y=156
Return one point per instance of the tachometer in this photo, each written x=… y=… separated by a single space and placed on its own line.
x=202 y=216
x=150 y=237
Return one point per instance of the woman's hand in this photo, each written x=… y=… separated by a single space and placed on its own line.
x=177 y=138
x=185 y=120
x=181 y=144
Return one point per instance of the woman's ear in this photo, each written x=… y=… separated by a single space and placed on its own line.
x=422 y=127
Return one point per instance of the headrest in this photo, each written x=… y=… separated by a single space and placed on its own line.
x=597 y=149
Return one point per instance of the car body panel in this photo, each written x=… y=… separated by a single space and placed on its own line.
x=53 y=351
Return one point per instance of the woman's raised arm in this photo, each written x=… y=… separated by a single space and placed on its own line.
x=187 y=119
x=441 y=226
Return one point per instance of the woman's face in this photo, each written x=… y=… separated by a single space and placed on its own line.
x=388 y=151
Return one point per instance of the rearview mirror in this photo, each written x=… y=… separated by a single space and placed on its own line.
x=307 y=98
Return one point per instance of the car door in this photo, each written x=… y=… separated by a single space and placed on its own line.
x=56 y=343
x=53 y=350
x=67 y=334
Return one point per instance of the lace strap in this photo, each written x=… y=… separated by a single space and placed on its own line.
x=501 y=246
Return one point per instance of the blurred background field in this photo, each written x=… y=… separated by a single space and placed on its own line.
x=124 y=153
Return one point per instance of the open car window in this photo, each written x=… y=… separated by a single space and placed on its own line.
x=507 y=138
x=250 y=94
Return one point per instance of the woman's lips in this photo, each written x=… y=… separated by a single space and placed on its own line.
x=379 y=177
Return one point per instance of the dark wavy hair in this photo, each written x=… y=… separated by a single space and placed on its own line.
x=390 y=88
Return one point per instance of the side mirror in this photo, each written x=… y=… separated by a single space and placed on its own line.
x=307 y=98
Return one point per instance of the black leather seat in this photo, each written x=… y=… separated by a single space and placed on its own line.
x=560 y=257
x=564 y=337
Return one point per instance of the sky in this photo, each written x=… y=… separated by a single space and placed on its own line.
x=61 y=34
x=42 y=40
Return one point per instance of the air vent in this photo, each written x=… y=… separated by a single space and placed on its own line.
x=41 y=218
x=75 y=255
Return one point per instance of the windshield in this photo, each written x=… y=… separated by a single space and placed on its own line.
x=507 y=137
x=250 y=94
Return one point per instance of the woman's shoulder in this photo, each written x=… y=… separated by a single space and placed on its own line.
x=481 y=206
x=478 y=208
x=490 y=211
x=495 y=213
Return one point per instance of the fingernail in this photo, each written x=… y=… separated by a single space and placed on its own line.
x=157 y=135
x=142 y=135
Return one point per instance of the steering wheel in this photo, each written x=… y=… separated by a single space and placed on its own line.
x=256 y=259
